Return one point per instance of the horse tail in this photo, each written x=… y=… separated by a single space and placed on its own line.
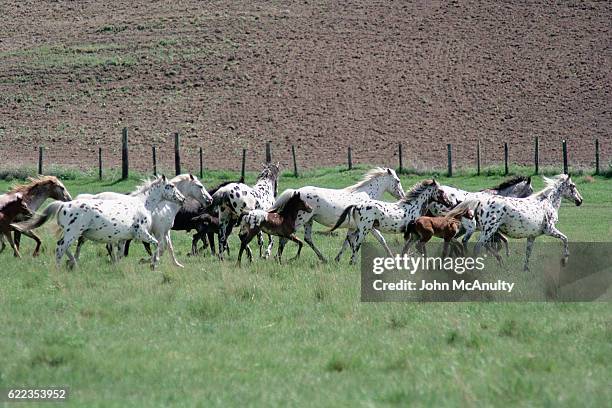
x=40 y=218
x=342 y=218
x=462 y=208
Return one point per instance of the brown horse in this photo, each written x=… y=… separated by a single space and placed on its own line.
x=11 y=207
x=279 y=221
x=34 y=195
x=445 y=227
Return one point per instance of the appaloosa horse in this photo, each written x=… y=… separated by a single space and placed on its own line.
x=236 y=198
x=527 y=217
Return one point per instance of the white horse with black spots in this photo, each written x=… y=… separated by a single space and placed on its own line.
x=163 y=215
x=234 y=199
x=328 y=204
x=527 y=217
x=388 y=217
x=518 y=186
x=109 y=221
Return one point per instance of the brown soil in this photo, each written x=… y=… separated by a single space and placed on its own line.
x=232 y=75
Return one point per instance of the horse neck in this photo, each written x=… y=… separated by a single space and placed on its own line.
x=374 y=188
x=421 y=201
x=556 y=197
x=266 y=186
x=151 y=197
x=35 y=196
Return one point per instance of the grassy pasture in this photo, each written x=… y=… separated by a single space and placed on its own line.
x=292 y=334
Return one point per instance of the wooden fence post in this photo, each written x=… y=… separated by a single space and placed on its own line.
x=124 y=155
x=201 y=164
x=268 y=152
x=536 y=157
x=449 y=153
x=243 y=168
x=505 y=158
x=295 y=167
x=564 y=144
x=596 y=156
x=154 y=151
x=350 y=158
x=40 y=159
x=99 y=163
x=478 y=157
x=401 y=159
x=177 y=153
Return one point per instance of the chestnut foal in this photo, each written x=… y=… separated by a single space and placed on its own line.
x=11 y=207
x=278 y=220
x=445 y=227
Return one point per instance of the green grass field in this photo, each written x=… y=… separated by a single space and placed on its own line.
x=293 y=334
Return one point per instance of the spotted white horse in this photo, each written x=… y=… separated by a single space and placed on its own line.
x=234 y=199
x=110 y=221
x=527 y=217
x=388 y=217
x=328 y=204
x=163 y=215
x=518 y=186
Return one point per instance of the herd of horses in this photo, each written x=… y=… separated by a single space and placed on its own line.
x=160 y=205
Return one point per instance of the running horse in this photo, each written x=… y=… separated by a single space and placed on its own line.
x=34 y=194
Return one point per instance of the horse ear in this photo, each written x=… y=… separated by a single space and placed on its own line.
x=191 y=177
x=163 y=177
x=388 y=171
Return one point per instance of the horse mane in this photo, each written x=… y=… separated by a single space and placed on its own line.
x=146 y=185
x=509 y=183
x=180 y=178
x=417 y=189
x=550 y=183
x=33 y=183
x=370 y=175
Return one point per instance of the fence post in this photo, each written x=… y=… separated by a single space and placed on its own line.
x=537 y=155
x=201 y=164
x=295 y=169
x=40 y=159
x=124 y=154
x=449 y=151
x=99 y=163
x=564 y=143
x=177 y=153
x=268 y=152
x=478 y=157
x=350 y=158
x=505 y=158
x=242 y=171
x=401 y=159
x=596 y=156
x=154 y=151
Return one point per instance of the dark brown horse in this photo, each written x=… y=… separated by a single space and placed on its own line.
x=34 y=195
x=279 y=221
x=11 y=207
x=445 y=227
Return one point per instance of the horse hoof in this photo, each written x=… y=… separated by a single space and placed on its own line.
x=564 y=261
x=178 y=265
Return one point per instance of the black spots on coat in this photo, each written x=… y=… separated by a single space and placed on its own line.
x=64 y=212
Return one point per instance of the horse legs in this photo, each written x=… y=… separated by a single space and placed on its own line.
x=281 y=247
x=17 y=238
x=269 y=248
x=80 y=243
x=211 y=241
x=298 y=241
x=2 y=244
x=9 y=238
x=530 y=242
x=357 y=239
x=552 y=231
x=223 y=224
x=142 y=234
x=309 y=241
x=63 y=246
x=35 y=237
x=407 y=245
x=171 y=249
x=470 y=227
x=244 y=244
x=345 y=244
x=382 y=241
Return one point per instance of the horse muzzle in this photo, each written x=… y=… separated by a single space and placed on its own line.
x=578 y=202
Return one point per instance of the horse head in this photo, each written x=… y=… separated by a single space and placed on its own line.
x=393 y=184
x=170 y=192
x=192 y=187
x=569 y=190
